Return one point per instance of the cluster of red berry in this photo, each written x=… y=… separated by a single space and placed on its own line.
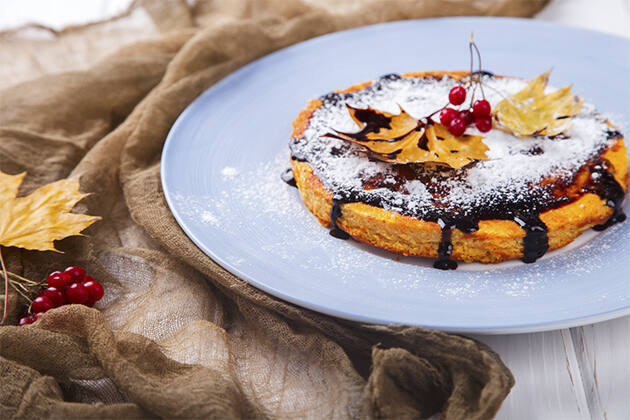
x=69 y=286
x=457 y=121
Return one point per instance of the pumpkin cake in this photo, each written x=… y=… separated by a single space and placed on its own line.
x=528 y=194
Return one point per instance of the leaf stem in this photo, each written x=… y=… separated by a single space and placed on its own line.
x=6 y=289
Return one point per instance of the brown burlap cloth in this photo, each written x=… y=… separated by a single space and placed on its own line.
x=176 y=335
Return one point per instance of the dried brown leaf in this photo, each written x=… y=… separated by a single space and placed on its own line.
x=400 y=138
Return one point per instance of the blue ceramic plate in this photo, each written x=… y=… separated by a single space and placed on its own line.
x=222 y=161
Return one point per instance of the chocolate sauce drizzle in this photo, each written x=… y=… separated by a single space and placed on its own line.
x=526 y=212
x=483 y=73
x=445 y=248
x=536 y=241
x=335 y=213
x=287 y=176
x=604 y=184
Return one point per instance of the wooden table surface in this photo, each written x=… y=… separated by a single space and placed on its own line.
x=577 y=373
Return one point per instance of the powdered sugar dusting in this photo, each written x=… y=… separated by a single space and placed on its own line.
x=229 y=172
x=511 y=172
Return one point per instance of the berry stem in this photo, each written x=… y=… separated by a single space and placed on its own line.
x=23 y=294
x=470 y=47
x=500 y=93
x=6 y=289
x=435 y=112
x=22 y=285
x=472 y=95
x=473 y=45
x=19 y=279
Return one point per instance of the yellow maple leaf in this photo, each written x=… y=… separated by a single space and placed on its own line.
x=36 y=220
x=400 y=138
x=435 y=144
x=530 y=111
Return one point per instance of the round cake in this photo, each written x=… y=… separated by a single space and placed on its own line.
x=532 y=193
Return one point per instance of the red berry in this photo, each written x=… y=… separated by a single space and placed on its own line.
x=94 y=288
x=457 y=95
x=55 y=295
x=481 y=108
x=42 y=304
x=77 y=293
x=77 y=274
x=36 y=316
x=25 y=321
x=457 y=127
x=447 y=115
x=467 y=116
x=484 y=124
x=59 y=280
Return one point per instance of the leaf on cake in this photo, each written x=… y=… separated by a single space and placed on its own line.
x=400 y=138
x=378 y=129
x=35 y=221
x=531 y=112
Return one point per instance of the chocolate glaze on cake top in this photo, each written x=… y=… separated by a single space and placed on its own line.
x=506 y=186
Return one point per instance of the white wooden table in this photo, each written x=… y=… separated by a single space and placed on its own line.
x=577 y=373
